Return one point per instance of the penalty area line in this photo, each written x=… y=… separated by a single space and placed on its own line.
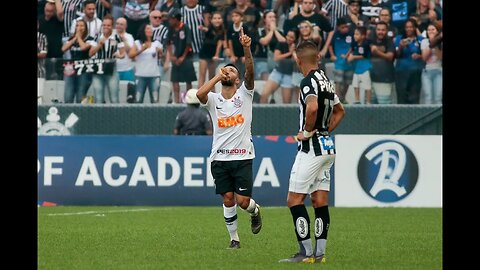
x=100 y=212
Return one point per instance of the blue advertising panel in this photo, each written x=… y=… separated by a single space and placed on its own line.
x=152 y=170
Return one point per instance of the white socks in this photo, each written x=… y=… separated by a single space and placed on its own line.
x=230 y=215
x=252 y=208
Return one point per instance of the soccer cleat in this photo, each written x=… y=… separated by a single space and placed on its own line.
x=256 y=221
x=234 y=245
x=320 y=259
x=298 y=258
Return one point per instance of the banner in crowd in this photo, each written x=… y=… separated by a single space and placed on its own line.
x=388 y=170
x=151 y=170
x=93 y=66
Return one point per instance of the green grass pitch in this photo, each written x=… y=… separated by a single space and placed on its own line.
x=105 y=237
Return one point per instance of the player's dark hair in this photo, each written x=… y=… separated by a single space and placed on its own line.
x=307 y=44
x=232 y=65
x=307 y=50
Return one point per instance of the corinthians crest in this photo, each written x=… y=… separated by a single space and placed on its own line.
x=53 y=127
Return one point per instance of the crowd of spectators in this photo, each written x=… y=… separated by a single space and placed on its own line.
x=389 y=50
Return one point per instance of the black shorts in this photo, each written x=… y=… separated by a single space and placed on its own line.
x=185 y=72
x=233 y=176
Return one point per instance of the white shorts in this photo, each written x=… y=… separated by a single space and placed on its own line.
x=362 y=81
x=310 y=173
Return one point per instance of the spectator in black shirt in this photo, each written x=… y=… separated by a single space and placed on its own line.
x=251 y=16
x=382 y=72
x=307 y=14
x=268 y=37
x=215 y=41
x=385 y=17
x=371 y=10
x=354 y=18
x=166 y=7
x=51 y=25
x=180 y=50
x=282 y=73
x=233 y=34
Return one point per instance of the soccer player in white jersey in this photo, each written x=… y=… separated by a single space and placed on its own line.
x=232 y=148
x=320 y=113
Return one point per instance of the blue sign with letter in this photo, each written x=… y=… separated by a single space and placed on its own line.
x=152 y=170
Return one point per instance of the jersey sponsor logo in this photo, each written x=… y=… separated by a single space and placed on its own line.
x=388 y=171
x=360 y=50
x=301 y=226
x=181 y=34
x=318 y=227
x=231 y=121
x=348 y=39
x=237 y=102
x=234 y=151
x=327 y=143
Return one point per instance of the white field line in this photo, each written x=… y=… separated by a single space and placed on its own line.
x=100 y=212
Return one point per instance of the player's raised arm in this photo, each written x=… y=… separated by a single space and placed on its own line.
x=202 y=93
x=246 y=41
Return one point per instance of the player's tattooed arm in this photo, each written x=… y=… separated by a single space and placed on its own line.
x=246 y=41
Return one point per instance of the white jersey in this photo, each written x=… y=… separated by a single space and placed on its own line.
x=232 y=123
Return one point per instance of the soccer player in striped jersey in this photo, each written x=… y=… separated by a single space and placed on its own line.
x=232 y=148
x=320 y=113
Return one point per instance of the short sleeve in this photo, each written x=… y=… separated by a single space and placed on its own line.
x=210 y=105
x=424 y=44
x=336 y=100
x=308 y=87
x=137 y=43
x=390 y=46
x=243 y=88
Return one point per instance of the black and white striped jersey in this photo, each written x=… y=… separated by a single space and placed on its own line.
x=41 y=48
x=193 y=17
x=317 y=84
x=111 y=46
x=71 y=10
x=160 y=33
x=336 y=9
x=101 y=10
